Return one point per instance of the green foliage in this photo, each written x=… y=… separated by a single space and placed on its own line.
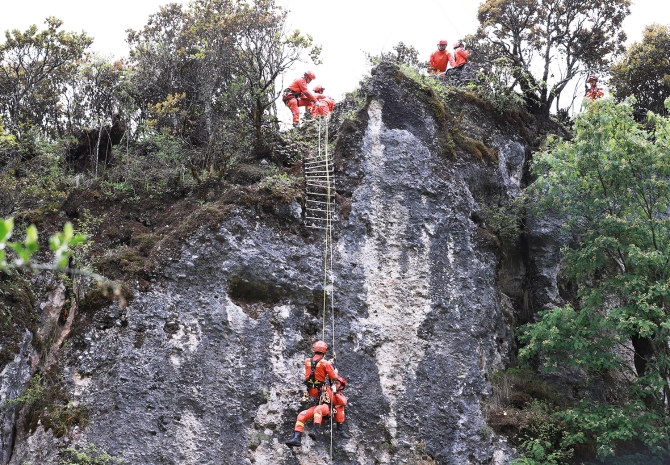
x=189 y=63
x=32 y=395
x=402 y=54
x=439 y=90
x=35 y=67
x=90 y=455
x=280 y=185
x=544 y=441
x=37 y=187
x=644 y=72
x=157 y=165
x=611 y=183
x=60 y=244
x=99 y=89
x=505 y=220
x=495 y=85
x=549 y=42
x=45 y=402
x=87 y=226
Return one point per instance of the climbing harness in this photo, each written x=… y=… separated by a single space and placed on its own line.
x=319 y=211
x=290 y=94
x=312 y=382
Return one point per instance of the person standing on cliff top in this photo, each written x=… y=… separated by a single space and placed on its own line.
x=439 y=59
x=461 y=56
x=317 y=369
x=594 y=92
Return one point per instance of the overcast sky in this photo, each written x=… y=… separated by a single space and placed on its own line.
x=345 y=28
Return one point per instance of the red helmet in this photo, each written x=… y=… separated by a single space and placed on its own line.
x=343 y=383
x=458 y=43
x=309 y=74
x=320 y=347
x=442 y=42
x=592 y=78
x=319 y=89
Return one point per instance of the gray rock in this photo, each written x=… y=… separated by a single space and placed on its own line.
x=208 y=368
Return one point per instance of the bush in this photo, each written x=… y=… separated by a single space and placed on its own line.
x=88 y=456
x=45 y=403
x=156 y=165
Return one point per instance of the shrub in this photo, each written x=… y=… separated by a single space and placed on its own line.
x=90 y=455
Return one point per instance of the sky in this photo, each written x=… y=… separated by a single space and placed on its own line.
x=344 y=28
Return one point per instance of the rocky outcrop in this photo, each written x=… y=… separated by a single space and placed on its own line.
x=14 y=380
x=206 y=366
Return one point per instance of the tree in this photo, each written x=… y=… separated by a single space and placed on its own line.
x=644 y=71
x=213 y=67
x=550 y=42
x=267 y=50
x=612 y=185
x=99 y=90
x=404 y=55
x=35 y=69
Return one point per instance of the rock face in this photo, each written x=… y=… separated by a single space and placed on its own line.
x=206 y=367
x=14 y=379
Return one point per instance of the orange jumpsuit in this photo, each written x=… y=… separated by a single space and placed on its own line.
x=324 y=106
x=298 y=95
x=322 y=410
x=594 y=93
x=322 y=370
x=439 y=60
x=461 y=57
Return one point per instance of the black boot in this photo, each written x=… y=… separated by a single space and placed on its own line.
x=340 y=431
x=295 y=440
x=315 y=432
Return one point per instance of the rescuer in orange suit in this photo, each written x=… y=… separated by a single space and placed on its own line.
x=439 y=59
x=325 y=104
x=317 y=369
x=298 y=95
x=593 y=92
x=461 y=55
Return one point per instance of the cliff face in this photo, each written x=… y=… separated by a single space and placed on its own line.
x=205 y=367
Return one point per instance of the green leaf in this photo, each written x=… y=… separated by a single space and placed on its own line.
x=6 y=227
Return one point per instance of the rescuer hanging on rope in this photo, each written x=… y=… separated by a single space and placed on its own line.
x=317 y=369
x=594 y=92
x=298 y=95
x=439 y=59
x=324 y=105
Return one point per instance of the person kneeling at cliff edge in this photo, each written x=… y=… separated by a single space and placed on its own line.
x=317 y=369
x=297 y=95
x=325 y=104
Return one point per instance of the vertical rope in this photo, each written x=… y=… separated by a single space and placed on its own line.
x=332 y=253
x=328 y=253
x=325 y=253
x=332 y=283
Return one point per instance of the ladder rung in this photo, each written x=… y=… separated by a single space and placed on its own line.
x=316 y=184
x=318 y=162
x=318 y=219
x=319 y=210
x=322 y=193
x=318 y=201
